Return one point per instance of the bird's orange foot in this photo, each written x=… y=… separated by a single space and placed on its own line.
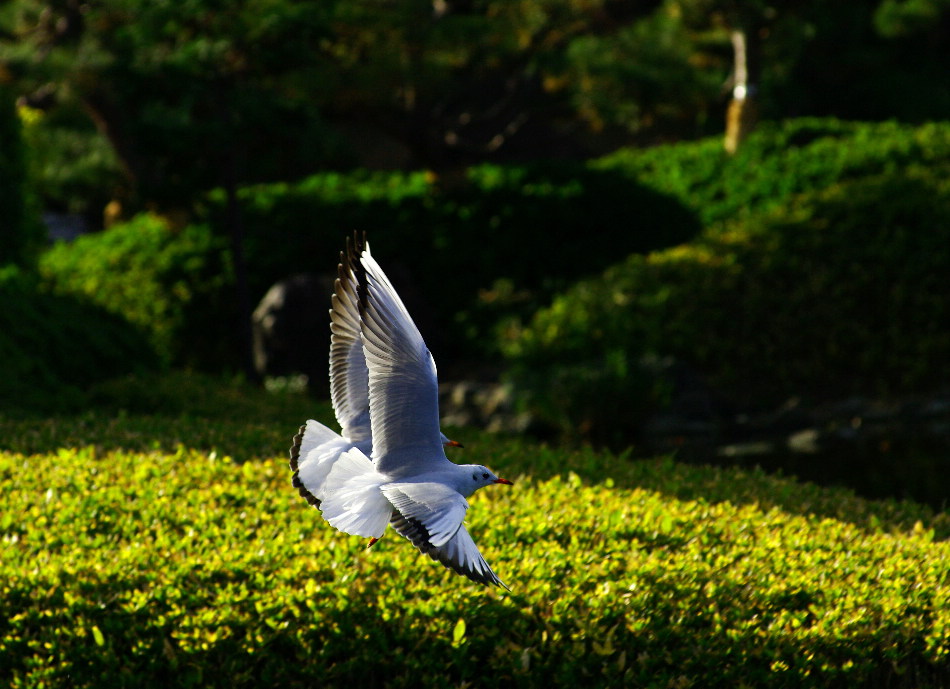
x=372 y=542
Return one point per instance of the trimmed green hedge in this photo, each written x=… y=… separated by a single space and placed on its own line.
x=497 y=242
x=779 y=161
x=54 y=347
x=838 y=291
x=172 y=283
x=488 y=249
x=176 y=569
x=471 y=250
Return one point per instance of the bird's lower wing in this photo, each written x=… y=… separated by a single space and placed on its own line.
x=430 y=517
x=461 y=555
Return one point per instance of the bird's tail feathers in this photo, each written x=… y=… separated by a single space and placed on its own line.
x=315 y=450
x=312 y=435
x=352 y=500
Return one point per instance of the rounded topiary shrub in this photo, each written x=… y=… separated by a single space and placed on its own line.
x=843 y=291
x=498 y=241
x=778 y=161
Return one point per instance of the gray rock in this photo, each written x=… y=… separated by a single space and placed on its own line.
x=291 y=329
x=489 y=406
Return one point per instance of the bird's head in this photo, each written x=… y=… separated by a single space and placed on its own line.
x=481 y=476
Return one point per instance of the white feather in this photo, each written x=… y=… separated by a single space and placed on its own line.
x=352 y=500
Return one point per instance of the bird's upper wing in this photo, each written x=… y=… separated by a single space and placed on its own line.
x=424 y=513
x=349 y=376
x=403 y=386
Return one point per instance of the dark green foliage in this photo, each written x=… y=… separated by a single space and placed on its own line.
x=841 y=290
x=889 y=58
x=74 y=167
x=189 y=95
x=778 y=161
x=21 y=234
x=52 y=347
x=496 y=244
x=173 y=284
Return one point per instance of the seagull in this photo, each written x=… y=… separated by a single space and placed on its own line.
x=349 y=392
x=388 y=467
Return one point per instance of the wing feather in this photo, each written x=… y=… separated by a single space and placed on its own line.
x=459 y=553
x=349 y=375
x=403 y=383
x=438 y=509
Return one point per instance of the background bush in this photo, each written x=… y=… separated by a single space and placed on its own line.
x=52 y=347
x=836 y=291
x=21 y=234
x=440 y=242
x=498 y=242
x=778 y=161
x=475 y=254
x=172 y=283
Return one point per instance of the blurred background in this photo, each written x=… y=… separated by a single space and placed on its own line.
x=720 y=229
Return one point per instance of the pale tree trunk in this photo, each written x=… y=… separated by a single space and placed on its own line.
x=742 y=113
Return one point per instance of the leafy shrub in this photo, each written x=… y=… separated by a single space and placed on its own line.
x=842 y=291
x=21 y=234
x=497 y=243
x=176 y=283
x=182 y=568
x=53 y=346
x=74 y=167
x=778 y=161
x=169 y=282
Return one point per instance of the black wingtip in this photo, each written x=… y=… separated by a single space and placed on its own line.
x=294 y=460
x=295 y=447
x=350 y=256
x=417 y=534
x=354 y=251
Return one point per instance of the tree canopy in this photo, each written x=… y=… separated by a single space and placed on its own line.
x=188 y=94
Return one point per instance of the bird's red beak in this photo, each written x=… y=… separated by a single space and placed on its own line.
x=504 y=480
x=454 y=443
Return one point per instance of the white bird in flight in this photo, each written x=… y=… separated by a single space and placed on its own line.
x=384 y=391
x=349 y=389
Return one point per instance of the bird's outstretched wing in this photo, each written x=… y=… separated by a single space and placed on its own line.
x=435 y=507
x=403 y=385
x=461 y=555
x=425 y=514
x=349 y=375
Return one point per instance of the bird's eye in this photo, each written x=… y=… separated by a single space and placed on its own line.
x=484 y=475
x=474 y=477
